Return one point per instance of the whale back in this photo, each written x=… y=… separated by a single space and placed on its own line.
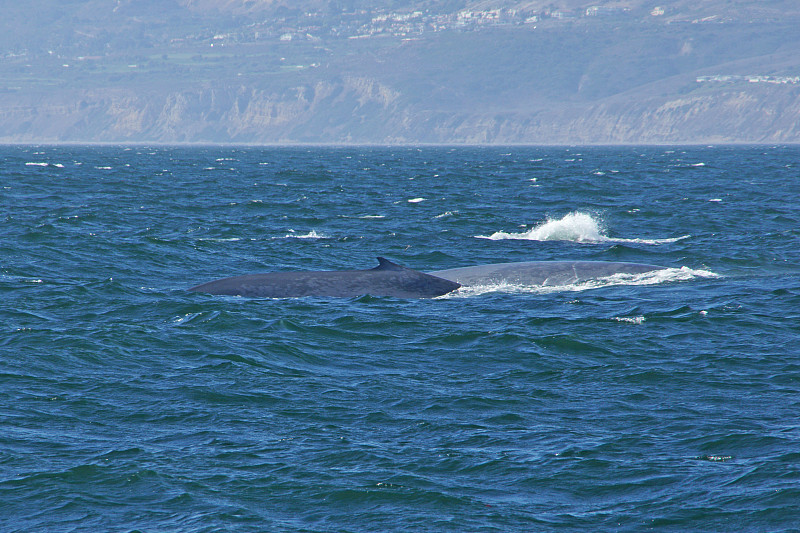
x=541 y=273
x=386 y=279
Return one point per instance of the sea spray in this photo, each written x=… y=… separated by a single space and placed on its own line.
x=574 y=227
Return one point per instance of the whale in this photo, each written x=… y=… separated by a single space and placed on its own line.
x=386 y=279
x=540 y=273
x=393 y=280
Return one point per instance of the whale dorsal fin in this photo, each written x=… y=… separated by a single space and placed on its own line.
x=385 y=264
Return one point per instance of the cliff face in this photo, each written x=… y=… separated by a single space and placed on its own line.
x=357 y=110
x=741 y=114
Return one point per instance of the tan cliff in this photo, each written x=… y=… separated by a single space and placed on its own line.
x=355 y=110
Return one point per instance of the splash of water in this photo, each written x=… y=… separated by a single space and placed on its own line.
x=575 y=227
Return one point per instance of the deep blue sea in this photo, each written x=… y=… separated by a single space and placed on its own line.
x=663 y=403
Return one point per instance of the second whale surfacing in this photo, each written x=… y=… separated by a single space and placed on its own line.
x=386 y=279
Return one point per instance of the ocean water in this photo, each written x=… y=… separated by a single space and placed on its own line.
x=666 y=402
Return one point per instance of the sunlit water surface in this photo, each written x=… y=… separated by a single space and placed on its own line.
x=668 y=401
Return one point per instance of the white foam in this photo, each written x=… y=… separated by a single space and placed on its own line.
x=655 y=277
x=630 y=319
x=42 y=164
x=310 y=235
x=575 y=227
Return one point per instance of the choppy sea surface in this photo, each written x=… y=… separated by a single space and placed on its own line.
x=665 y=403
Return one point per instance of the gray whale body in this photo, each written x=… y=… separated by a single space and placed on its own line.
x=387 y=279
x=540 y=273
x=390 y=279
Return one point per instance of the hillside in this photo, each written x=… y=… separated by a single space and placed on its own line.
x=438 y=71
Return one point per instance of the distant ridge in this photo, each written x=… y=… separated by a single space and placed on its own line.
x=437 y=71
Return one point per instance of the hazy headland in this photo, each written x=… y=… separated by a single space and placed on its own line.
x=446 y=71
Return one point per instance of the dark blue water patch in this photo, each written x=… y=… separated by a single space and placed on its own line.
x=132 y=404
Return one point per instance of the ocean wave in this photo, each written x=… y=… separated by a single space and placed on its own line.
x=637 y=320
x=575 y=227
x=313 y=234
x=654 y=277
x=42 y=164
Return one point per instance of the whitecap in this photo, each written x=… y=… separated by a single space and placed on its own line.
x=416 y=200
x=669 y=240
x=313 y=234
x=630 y=319
x=715 y=458
x=36 y=164
x=575 y=227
